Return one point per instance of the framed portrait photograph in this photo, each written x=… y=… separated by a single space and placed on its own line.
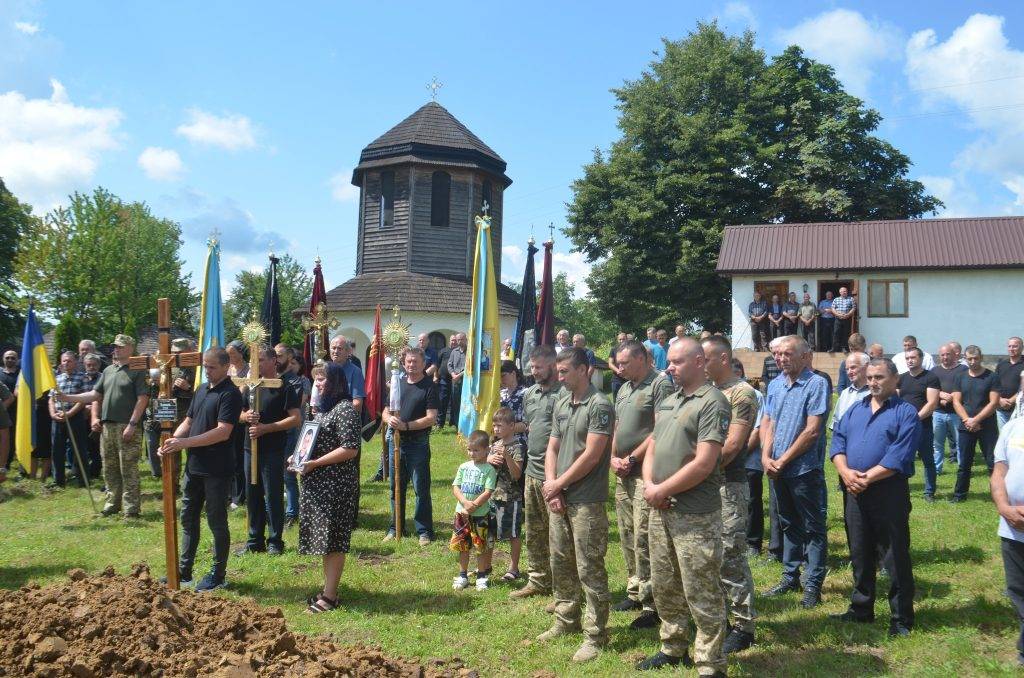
x=305 y=445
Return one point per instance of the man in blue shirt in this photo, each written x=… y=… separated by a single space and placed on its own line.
x=794 y=419
x=825 y=322
x=873 y=449
x=341 y=353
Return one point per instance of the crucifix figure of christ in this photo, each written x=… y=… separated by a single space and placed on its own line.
x=317 y=324
x=162 y=363
x=254 y=334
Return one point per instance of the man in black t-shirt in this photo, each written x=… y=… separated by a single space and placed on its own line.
x=9 y=376
x=443 y=382
x=1008 y=371
x=278 y=414
x=945 y=421
x=206 y=434
x=920 y=388
x=975 y=399
x=413 y=421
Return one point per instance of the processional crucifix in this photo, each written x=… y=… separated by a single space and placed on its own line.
x=165 y=412
x=254 y=334
x=317 y=323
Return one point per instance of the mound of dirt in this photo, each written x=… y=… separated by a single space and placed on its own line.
x=111 y=625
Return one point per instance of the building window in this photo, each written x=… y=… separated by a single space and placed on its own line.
x=887 y=298
x=387 y=198
x=440 y=195
x=437 y=341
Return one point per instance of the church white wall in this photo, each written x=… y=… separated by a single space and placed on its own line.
x=973 y=307
x=359 y=326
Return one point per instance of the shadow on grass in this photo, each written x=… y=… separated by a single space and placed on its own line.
x=815 y=661
x=13 y=577
x=391 y=602
x=977 y=613
x=945 y=555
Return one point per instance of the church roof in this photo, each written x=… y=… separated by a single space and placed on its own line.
x=431 y=135
x=413 y=292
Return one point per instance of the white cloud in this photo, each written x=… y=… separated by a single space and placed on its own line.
x=573 y=264
x=977 y=71
x=576 y=270
x=958 y=197
x=230 y=131
x=50 y=147
x=848 y=42
x=738 y=15
x=342 y=188
x=26 y=27
x=240 y=233
x=161 y=164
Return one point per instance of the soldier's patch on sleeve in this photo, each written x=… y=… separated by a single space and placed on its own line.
x=723 y=423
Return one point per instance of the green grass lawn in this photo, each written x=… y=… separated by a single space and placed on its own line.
x=400 y=596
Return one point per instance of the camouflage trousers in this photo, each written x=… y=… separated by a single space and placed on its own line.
x=121 y=468
x=538 y=553
x=579 y=541
x=686 y=563
x=737 y=581
x=633 y=514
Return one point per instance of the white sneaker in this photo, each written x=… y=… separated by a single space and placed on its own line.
x=460 y=582
x=482 y=584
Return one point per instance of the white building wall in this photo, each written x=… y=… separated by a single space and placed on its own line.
x=973 y=307
x=359 y=326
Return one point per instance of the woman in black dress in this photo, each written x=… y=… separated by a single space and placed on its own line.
x=329 y=502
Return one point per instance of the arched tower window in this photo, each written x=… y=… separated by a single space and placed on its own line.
x=387 y=198
x=440 y=195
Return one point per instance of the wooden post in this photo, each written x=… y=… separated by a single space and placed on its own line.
x=165 y=361
x=396 y=440
x=254 y=382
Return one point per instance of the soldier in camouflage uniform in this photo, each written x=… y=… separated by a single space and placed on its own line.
x=682 y=484
x=638 y=398
x=576 y=488
x=736 y=577
x=538 y=406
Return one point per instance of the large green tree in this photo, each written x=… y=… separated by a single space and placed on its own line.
x=294 y=286
x=15 y=223
x=105 y=262
x=715 y=135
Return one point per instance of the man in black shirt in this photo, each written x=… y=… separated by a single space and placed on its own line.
x=278 y=414
x=920 y=388
x=443 y=381
x=9 y=376
x=945 y=420
x=975 y=399
x=1008 y=371
x=413 y=421
x=206 y=434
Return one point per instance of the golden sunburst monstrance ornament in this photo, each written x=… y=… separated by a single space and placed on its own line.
x=396 y=334
x=253 y=332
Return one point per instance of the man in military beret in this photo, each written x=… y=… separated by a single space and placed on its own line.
x=682 y=483
x=576 y=488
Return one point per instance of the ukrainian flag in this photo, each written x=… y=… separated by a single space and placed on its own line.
x=211 y=312
x=481 y=382
x=35 y=379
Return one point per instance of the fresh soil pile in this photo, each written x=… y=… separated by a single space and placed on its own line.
x=111 y=625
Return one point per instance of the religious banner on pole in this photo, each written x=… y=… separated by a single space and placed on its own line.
x=270 y=313
x=482 y=379
x=546 y=309
x=211 y=311
x=315 y=344
x=523 y=338
x=373 y=404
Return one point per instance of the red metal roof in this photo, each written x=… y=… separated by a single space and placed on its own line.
x=976 y=242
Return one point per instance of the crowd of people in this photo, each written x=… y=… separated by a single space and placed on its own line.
x=686 y=436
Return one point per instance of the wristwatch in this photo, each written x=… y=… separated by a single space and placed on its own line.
x=631 y=459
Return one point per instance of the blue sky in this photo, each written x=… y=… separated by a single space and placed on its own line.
x=250 y=117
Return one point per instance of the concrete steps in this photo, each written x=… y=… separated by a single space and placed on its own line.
x=753 y=362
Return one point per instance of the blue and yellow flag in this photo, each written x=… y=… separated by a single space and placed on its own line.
x=481 y=382
x=211 y=312
x=35 y=379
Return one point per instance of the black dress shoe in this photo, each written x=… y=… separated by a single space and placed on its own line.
x=782 y=588
x=648 y=619
x=628 y=605
x=853 y=617
x=245 y=550
x=897 y=630
x=812 y=598
x=274 y=550
x=737 y=641
x=661 y=660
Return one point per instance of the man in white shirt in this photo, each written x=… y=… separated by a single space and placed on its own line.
x=1008 y=494
x=857 y=373
x=900 y=359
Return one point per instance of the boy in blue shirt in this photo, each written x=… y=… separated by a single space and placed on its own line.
x=474 y=523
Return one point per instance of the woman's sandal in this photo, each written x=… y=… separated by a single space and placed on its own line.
x=511 y=576
x=322 y=604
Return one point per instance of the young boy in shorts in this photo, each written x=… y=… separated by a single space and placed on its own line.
x=507 y=456
x=474 y=522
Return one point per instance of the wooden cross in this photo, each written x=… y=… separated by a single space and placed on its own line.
x=255 y=383
x=165 y=361
x=317 y=323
